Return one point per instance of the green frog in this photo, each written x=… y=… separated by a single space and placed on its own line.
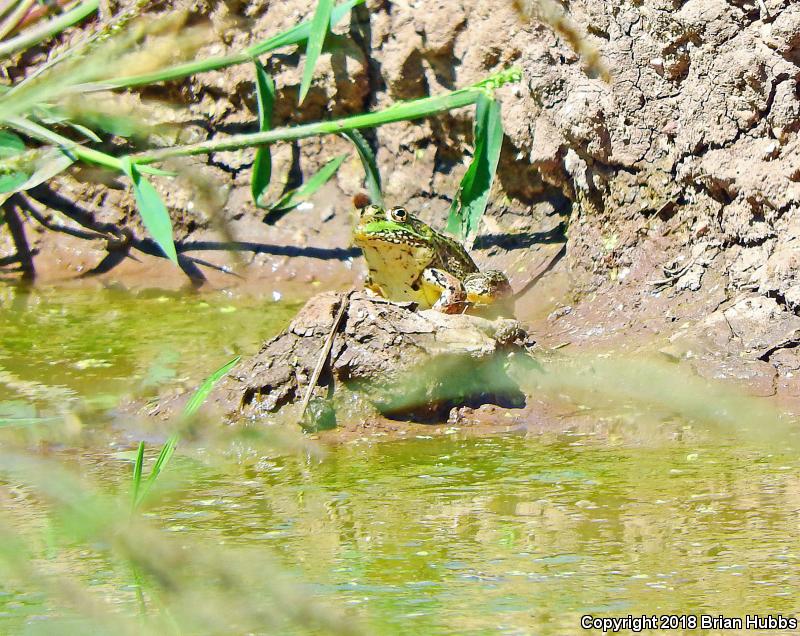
x=410 y=261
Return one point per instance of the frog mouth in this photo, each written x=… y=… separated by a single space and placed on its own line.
x=379 y=232
x=390 y=238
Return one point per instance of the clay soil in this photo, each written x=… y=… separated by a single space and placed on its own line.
x=658 y=211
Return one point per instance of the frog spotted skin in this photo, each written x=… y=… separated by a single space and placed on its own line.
x=409 y=261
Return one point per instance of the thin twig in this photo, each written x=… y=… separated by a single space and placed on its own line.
x=323 y=355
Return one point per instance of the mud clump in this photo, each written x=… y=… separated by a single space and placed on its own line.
x=384 y=358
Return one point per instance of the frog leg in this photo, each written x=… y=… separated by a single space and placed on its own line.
x=486 y=288
x=452 y=295
x=371 y=288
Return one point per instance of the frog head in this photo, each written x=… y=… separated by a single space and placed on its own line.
x=398 y=247
x=394 y=227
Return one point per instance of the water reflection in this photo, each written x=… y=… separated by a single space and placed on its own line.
x=463 y=536
x=516 y=535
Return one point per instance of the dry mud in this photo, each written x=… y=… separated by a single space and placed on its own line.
x=674 y=187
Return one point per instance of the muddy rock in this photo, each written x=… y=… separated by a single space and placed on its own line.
x=751 y=342
x=402 y=363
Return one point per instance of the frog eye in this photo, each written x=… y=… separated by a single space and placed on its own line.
x=399 y=214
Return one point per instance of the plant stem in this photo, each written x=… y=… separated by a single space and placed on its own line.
x=290 y=37
x=34 y=35
x=36 y=131
x=165 y=75
x=399 y=112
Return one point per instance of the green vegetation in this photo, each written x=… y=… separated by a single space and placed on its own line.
x=139 y=490
x=34 y=148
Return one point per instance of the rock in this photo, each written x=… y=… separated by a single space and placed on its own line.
x=398 y=361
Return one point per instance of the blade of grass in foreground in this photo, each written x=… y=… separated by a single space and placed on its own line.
x=137 y=475
x=10 y=144
x=373 y=175
x=139 y=491
x=473 y=194
x=196 y=401
x=402 y=111
x=290 y=37
x=295 y=197
x=316 y=39
x=33 y=35
x=152 y=210
x=262 y=166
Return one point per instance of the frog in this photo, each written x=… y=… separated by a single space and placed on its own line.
x=410 y=261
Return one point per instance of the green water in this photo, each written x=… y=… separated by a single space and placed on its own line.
x=445 y=535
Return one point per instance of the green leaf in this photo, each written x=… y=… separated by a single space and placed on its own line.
x=47 y=163
x=295 y=197
x=88 y=132
x=194 y=403
x=12 y=182
x=163 y=458
x=152 y=210
x=320 y=25
x=156 y=171
x=204 y=389
x=473 y=193
x=10 y=144
x=137 y=474
x=298 y=34
x=262 y=167
x=373 y=175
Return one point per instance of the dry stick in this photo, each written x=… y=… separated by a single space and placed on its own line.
x=323 y=356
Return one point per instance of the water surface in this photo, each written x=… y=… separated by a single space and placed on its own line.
x=442 y=535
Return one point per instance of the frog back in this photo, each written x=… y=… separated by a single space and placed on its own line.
x=453 y=258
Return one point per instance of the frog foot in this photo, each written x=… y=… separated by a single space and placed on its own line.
x=487 y=288
x=453 y=296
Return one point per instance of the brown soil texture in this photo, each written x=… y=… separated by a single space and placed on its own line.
x=348 y=351
x=675 y=186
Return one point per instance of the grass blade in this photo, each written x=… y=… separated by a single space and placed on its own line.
x=48 y=163
x=401 y=111
x=204 y=389
x=373 y=175
x=473 y=194
x=11 y=145
x=32 y=36
x=137 y=475
x=163 y=458
x=290 y=37
x=168 y=450
x=152 y=210
x=301 y=32
x=12 y=182
x=262 y=167
x=295 y=197
x=320 y=25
